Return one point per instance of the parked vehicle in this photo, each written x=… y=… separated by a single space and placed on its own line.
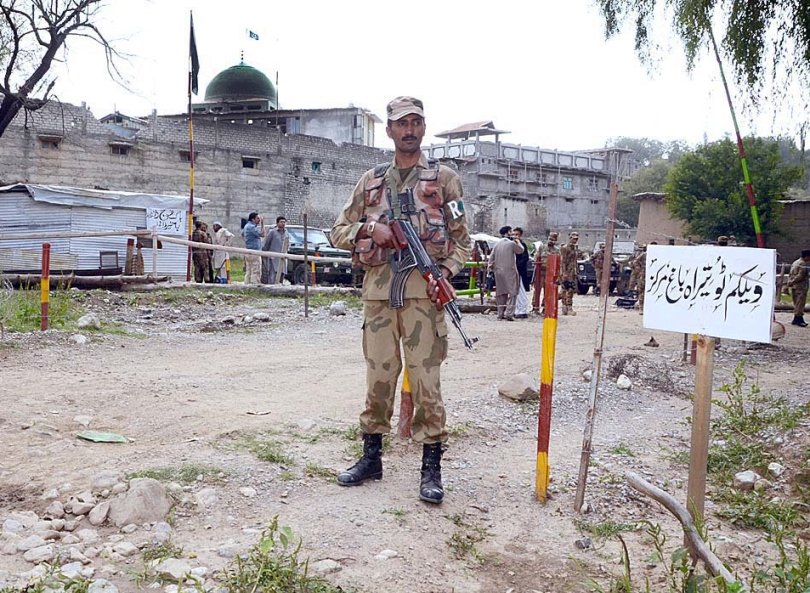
x=619 y=268
x=318 y=246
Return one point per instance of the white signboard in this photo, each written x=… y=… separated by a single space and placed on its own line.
x=170 y=221
x=724 y=292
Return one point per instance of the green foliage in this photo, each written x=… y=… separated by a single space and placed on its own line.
x=646 y=151
x=760 y=38
x=273 y=565
x=464 y=539
x=52 y=580
x=160 y=552
x=705 y=189
x=20 y=310
x=607 y=528
x=184 y=474
x=314 y=469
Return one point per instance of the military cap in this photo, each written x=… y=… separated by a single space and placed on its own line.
x=553 y=236
x=574 y=235
x=402 y=106
x=722 y=240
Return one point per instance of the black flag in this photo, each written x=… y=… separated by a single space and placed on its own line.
x=195 y=62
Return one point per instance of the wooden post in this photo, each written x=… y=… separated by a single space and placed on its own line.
x=549 y=346
x=585 y=455
x=45 y=286
x=306 y=269
x=701 y=414
x=154 y=254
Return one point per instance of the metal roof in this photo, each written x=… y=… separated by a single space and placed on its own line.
x=96 y=198
x=479 y=128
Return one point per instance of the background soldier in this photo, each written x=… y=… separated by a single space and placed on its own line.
x=798 y=283
x=597 y=259
x=418 y=328
x=540 y=267
x=639 y=266
x=568 y=273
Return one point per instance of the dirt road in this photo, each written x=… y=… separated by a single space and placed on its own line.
x=189 y=390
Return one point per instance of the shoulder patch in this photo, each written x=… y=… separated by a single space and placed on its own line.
x=456 y=208
x=381 y=169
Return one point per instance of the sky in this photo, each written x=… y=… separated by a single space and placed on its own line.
x=541 y=70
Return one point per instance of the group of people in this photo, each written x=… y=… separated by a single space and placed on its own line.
x=265 y=270
x=210 y=265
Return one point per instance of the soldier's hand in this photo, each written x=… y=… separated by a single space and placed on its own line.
x=383 y=236
x=432 y=290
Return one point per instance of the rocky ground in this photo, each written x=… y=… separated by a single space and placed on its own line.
x=238 y=409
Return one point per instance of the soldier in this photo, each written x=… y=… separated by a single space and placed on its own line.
x=418 y=328
x=597 y=259
x=639 y=266
x=200 y=255
x=568 y=273
x=540 y=267
x=798 y=284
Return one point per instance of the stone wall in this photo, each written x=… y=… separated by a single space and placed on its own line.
x=63 y=144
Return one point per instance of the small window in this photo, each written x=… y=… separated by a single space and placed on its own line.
x=184 y=155
x=594 y=201
x=51 y=144
x=567 y=182
x=316 y=167
x=249 y=163
x=593 y=183
x=569 y=199
x=119 y=149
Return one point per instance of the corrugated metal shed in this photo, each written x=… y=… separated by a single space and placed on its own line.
x=38 y=208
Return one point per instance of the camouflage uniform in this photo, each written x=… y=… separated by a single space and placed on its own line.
x=597 y=260
x=540 y=267
x=798 y=283
x=568 y=275
x=417 y=328
x=639 y=268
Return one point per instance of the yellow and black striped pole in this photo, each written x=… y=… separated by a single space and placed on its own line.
x=45 y=285
x=548 y=347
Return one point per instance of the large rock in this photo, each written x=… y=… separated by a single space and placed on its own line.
x=89 y=321
x=746 y=480
x=99 y=513
x=519 y=388
x=146 y=501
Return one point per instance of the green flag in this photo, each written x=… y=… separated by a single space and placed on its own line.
x=195 y=62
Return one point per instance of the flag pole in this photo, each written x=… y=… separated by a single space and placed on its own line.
x=193 y=67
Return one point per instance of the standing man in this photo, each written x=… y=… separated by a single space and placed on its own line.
x=639 y=266
x=507 y=281
x=200 y=255
x=540 y=267
x=222 y=236
x=253 y=233
x=568 y=273
x=597 y=260
x=417 y=329
x=522 y=262
x=798 y=283
x=274 y=267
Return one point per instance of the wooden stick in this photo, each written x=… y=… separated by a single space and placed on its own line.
x=547 y=355
x=712 y=562
x=701 y=414
x=585 y=455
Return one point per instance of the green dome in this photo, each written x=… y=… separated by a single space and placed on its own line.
x=241 y=83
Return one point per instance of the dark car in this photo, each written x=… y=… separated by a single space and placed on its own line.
x=586 y=276
x=318 y=246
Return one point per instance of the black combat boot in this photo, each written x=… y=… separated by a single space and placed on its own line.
x=368 y=467
x=799 y=320
x=430 y=489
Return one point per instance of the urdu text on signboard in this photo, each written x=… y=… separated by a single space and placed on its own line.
x=724 y=292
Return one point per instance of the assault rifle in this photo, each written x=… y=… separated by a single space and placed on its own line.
x=407 y=240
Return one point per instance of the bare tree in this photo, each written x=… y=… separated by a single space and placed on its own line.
x=34 y=34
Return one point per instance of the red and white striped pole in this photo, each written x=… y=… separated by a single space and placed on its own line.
x=45 y=285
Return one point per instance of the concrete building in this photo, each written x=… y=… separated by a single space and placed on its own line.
x=655 y=223
x=252 y=156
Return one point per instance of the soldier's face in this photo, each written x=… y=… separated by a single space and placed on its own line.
x=407 y=133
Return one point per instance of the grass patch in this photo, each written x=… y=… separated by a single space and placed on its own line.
x=274 y=564
x=755 y=509
x=325 y=299
x=460 y=430
x=607 y=528
x=185 y=474
x=464 y=539
x=21 y=311
x=286 y=476
x=52 y=580
x=314 y=469
x=398 y=514
x=622 y=449
x=160 y=552
x=266 y=449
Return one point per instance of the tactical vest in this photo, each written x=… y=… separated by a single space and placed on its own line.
x=426 y=214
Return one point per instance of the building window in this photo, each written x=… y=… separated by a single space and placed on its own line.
x=119 y=149
x=50 y=141
x=250 y=162
x=569 y=199
x=316 y=167
x=594 y=201
x=567 y=182
x=593 y=183
x=184 y=155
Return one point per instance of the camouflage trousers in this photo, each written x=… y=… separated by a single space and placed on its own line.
x=567 y=292
x=799 y=301
x=641 y=286
x=418 y=331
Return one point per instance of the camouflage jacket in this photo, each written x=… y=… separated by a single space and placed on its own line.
x=439 y=220
x=798 y=275
x=568 y=262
